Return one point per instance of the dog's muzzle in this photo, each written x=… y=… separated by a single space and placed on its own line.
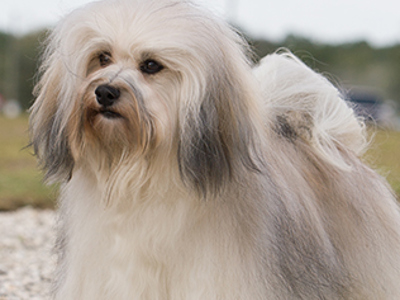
x=107 y=96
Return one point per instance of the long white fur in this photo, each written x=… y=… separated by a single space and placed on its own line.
x=278 y=206
x=289 y=86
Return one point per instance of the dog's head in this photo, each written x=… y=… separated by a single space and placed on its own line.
x=142 y=78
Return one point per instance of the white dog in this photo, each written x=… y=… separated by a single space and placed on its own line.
x=188 y=175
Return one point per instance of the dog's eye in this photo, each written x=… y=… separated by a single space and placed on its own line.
x=151 y=67
x=104 y=59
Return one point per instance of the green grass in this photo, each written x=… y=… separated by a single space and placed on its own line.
x=21 y=181
x=384 y=156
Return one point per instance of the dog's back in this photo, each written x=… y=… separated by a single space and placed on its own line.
x=340 y=234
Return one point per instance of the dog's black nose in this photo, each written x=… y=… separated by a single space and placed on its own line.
x=106 y=95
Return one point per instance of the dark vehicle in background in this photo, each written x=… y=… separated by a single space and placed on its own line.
x=371 y=106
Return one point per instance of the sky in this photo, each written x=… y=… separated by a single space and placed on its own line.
x=327 y=21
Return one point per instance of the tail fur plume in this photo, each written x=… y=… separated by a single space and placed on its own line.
x=308 y=103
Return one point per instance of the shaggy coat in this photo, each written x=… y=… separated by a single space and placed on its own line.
x=188 y=175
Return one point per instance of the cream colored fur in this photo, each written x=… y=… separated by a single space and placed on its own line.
x=308 y=99
x=209 y=180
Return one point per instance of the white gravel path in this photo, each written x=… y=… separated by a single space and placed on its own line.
x=26 y=257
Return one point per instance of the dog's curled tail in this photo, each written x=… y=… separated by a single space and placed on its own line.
x=302 y=103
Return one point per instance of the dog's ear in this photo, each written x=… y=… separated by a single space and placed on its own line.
x=47 y=131
x=217 y=140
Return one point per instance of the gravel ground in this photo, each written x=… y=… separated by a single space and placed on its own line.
x=26 y=257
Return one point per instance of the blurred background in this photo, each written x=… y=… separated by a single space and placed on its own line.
x=355 y=43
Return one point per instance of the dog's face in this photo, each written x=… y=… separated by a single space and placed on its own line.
x=144 y=78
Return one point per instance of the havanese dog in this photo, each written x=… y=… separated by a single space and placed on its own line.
x=187 y=173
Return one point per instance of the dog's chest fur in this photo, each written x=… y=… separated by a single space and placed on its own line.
x=170 y=248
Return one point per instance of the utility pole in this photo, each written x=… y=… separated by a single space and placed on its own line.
x=232 y=11
x=11 y=64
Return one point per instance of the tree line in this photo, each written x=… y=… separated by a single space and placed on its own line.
x=346 y=65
